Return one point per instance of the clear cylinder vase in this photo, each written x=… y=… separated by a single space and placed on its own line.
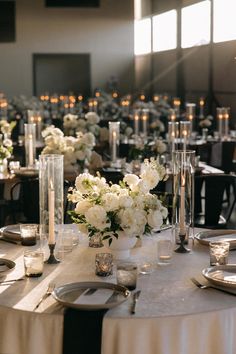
x=183 y=195
x=51 y=195
x=30 y=144
x=114 y=141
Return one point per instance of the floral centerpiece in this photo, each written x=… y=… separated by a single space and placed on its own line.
x=88 y=123
x=112 y=209
x=5 y=149
x=6 y=127
x=76 y=150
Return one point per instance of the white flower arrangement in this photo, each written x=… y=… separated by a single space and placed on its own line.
x=6 y=127
x=89 y=123
x=76 y=150
x=109 y=208
x=6 y=149
x=206 y=122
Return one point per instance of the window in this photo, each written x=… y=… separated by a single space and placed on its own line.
x=142 y=36
x=164 y=28
x=196 y=24
x=224 y=28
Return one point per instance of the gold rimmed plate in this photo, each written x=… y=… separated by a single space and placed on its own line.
x=26 y=171
x=207 y=236
x=91 y=295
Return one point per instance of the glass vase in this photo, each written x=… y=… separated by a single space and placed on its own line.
x=51 y=195
x=114 y=141
x=183 y=197
x=30 y=144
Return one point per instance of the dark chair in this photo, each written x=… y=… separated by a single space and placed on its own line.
x=24 y=204
x=222 y=155
x=209 y=200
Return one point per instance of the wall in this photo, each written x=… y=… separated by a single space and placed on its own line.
x=107 y=33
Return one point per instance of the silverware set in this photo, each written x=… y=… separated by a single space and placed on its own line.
x=203 y=286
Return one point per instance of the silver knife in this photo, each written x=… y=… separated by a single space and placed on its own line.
x=135 y=300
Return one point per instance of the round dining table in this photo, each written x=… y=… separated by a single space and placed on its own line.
x=172 y=316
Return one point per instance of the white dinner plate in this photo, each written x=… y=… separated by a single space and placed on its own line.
x=207 y=236
x=6 y=264
x=224 y=275
x=91 y=295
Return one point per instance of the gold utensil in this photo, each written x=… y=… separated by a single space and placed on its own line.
x=49 y=291
x=202 y=286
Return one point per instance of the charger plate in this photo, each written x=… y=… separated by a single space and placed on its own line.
x=207 y=236
x=11 y=232
x=83 y=295
x=6 y=264
x=224 y=275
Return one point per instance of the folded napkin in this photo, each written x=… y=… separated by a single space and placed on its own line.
x=82 y=331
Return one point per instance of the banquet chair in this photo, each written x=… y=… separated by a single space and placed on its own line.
x=209 y=210
x=24 y=205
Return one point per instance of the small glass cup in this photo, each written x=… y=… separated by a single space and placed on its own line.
x=219 y=252
x=64 y=243
x=127 y=274
x=103 y=264
x=164 y=249
x=33 y=263
x=28 y=234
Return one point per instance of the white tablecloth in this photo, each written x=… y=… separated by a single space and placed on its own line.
x=173 y=316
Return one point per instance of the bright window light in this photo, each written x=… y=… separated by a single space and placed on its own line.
x=164 y=28
x=195 y=24
x=224 y=25
x=142 y=36
x=137 y=9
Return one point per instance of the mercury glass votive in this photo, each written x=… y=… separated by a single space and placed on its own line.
x=103 y=264
x=33 y=263
x=219 y=251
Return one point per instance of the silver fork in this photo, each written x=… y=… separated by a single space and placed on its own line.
x=49 y=291
x=202 y=286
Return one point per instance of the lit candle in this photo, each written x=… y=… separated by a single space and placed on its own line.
x=39 y=127
x=51 y=211
x=201 y=103
x=220 y=117
x=30 y=148
x=144 y=120
x=114 y=145
x=226 y=122
x=176 y=104
x=182 y=207
x=136 y=124
x=172 y=115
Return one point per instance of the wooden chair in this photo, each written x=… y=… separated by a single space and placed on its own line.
x=209 y=200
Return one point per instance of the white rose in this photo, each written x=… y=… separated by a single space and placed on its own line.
x=110 y=202
x=84 y=182
x=82 y=207
x=131 y=179
x=97 y=217
x=125 y=201
x=151 y=177
x=155 y=219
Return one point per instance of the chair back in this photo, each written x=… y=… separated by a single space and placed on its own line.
x=210 y=198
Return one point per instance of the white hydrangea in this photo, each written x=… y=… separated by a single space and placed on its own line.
x=97 y=217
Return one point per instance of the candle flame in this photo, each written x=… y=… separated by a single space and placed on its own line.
x=182 y=181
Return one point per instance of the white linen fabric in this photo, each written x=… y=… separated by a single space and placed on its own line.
x=173 y=316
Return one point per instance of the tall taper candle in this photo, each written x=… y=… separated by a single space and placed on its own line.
x=51 y=212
